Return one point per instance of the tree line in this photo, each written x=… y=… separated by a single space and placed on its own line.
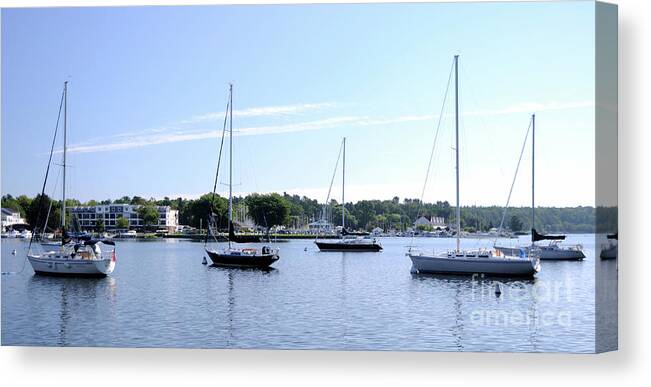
x=294 y=211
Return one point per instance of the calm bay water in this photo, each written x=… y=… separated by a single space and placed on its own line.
x=160 y=295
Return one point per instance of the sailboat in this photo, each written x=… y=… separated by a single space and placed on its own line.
x=553 y=250
x=73 y=256
x=349 y=241
x=231 y=255
x=459 y=261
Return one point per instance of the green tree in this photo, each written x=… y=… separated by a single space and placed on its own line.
x=424 y=227
x=10 y=202
x=123 y=200
x=196 y=212
x=268 y=210
x=149 y=215
x=351 y=221
x=99 y=224
x=24 y=202
x=36 y=213
x=516 y=224
x=138 y=201
x=122 y=223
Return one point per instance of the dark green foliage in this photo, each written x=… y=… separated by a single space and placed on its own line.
x=122 y=222
x=196 y=212
x=137 y=200
x=515 y=224
x=99 y=225
x=297 y=211
x=12 y=203
x=268 y=210
x=149 y=215
x=36 y=212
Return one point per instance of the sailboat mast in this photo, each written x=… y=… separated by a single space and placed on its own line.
x=343 y=185
x=533 y=173
x=456 y=125
x=65 y=144
x=230 y=174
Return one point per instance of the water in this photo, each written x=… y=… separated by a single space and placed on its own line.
x=160 y=295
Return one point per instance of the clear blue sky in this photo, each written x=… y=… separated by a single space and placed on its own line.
x=148 y=86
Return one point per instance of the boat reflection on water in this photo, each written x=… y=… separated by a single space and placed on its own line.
x=235 y=275
x=74 y=295
x=233 y=269
x=483 y=302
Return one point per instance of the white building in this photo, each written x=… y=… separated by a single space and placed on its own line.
x=89 y=216
x=11 y=217
x=435 y=222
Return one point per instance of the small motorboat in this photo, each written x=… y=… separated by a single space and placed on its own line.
x=25 y=234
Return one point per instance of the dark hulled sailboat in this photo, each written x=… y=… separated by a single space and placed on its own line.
x=231 y=255
x=348 y=241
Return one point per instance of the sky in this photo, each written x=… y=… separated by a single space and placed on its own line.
x=148 y=87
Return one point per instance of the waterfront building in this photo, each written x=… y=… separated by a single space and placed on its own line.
x=436 y=222
x=10 y=218
x=90 y=216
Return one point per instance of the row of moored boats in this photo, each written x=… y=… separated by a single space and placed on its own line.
x=76 y=255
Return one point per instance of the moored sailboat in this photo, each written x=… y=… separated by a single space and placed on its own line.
x=231 y=255
x=348 y=241
x=554 y=250
x=458 y=261
x=73 y=256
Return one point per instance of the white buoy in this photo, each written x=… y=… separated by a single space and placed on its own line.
x=13 y=252
x=205 y=261
x=498 y=289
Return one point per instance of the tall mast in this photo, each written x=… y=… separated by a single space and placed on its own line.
x=230 y=174
x=65 y=143
x=343 y=184
x=533 y=173
x=456 y=125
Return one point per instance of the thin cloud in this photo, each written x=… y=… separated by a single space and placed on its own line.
x=173 y=135
x=261 y=111
x=265 y=111
x=150 y=138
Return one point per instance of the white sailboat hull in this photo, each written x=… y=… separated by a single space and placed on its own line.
x=445 y=264
x=44 y=264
